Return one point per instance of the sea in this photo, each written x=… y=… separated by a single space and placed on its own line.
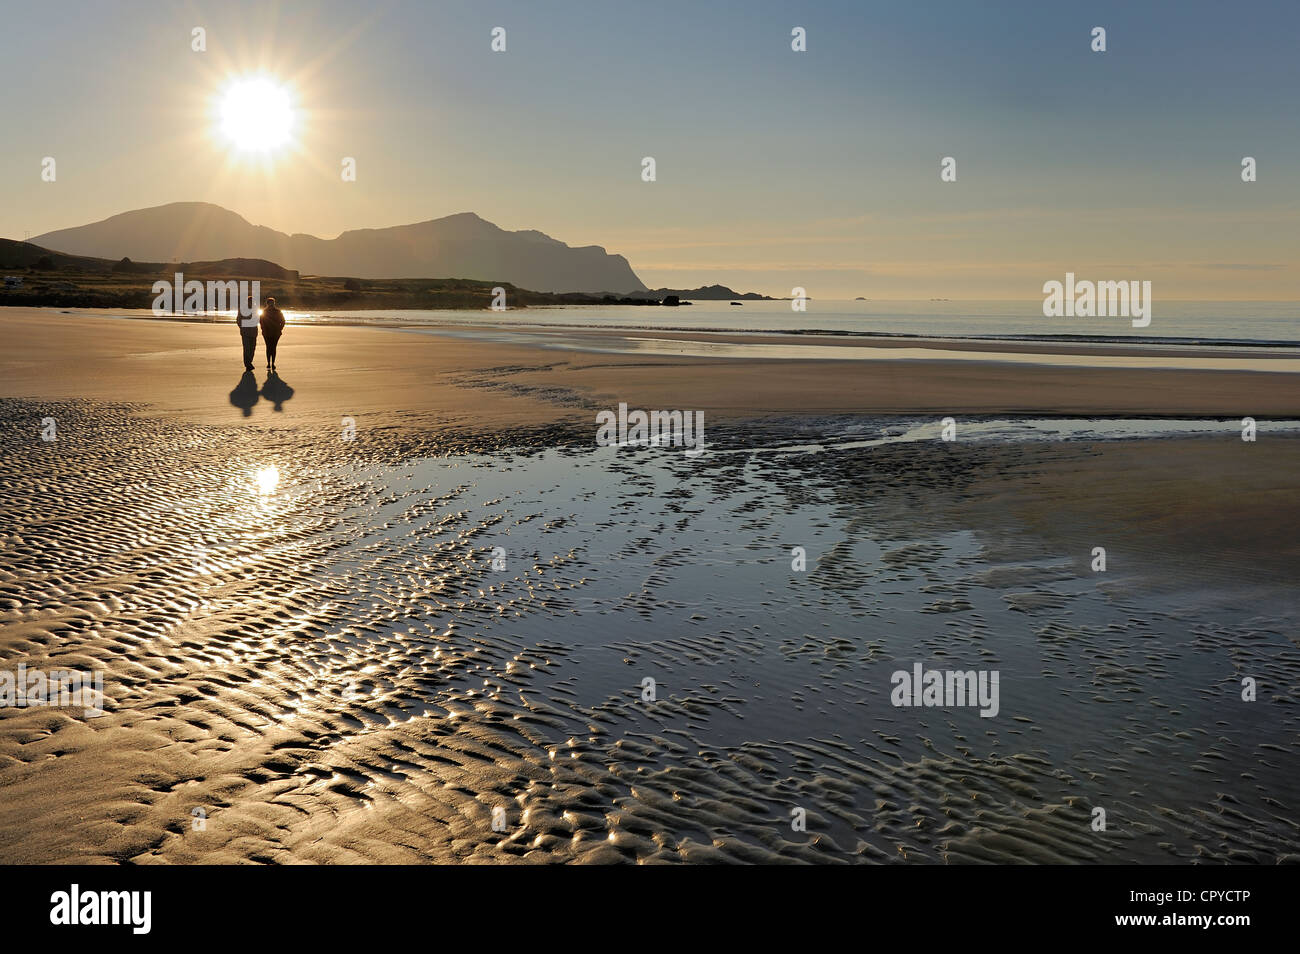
x=1274 y=323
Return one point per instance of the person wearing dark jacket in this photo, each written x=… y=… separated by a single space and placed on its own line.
x=272 y=327
x=248 y=332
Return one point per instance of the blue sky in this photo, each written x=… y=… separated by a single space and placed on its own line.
x=775 y=168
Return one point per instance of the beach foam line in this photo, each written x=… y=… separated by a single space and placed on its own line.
x=529 y=320
x=694 y=348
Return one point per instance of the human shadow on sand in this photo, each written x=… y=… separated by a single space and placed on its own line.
x=276 y=391
x=245 y=394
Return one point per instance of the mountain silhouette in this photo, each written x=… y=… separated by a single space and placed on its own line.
x=456 y=246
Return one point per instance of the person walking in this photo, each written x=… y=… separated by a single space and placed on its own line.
x=248 y=333
x=272 y=327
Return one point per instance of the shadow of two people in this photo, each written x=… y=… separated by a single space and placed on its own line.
x=246 y=392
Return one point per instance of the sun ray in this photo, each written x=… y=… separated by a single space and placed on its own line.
x=256 y=114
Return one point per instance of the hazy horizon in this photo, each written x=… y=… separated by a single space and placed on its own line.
x=774 y=168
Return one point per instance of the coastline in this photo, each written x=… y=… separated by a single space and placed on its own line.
x=527 y=319
x=334 y=673
x=188 y=369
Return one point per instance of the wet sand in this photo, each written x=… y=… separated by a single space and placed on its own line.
x=175 y=367
x=336 y=672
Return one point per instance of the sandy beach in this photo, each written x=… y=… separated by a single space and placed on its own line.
x=176 y=367
x=431 y=643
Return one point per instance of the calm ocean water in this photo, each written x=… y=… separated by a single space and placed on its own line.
x=1208 y=321
x=1205 y=321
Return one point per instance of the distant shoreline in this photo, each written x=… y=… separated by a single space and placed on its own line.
x=507 y=378
x=36 y=277
x=494 y=319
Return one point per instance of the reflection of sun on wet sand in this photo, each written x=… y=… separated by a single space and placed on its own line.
x=303 y=637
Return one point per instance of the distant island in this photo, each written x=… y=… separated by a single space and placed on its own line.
x=708 y=293
x=36 y=276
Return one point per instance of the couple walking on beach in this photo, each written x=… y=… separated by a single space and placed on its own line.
x=272 y=323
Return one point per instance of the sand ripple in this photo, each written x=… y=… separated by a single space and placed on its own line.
x=336 y=672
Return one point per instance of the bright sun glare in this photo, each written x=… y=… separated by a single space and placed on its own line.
x=267 y=479
x=256 y=115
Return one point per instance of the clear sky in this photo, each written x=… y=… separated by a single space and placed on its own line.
x=774 y=168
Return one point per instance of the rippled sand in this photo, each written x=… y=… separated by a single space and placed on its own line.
x=335 y=672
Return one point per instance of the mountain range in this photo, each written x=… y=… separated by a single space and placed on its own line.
x=456 y=246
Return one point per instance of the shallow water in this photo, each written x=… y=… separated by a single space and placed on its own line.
x=1208 y=321
x=347 y=644
x=813 y=349
x=1241 y=323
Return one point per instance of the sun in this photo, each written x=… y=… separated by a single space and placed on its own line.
x=256 y=114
